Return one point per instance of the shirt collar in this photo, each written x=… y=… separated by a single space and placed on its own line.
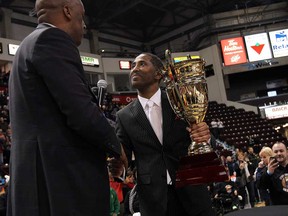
x=156 y=98
x=48 y=24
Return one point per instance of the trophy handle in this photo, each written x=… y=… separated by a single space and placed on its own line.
x=168 y=57
x=170 y=65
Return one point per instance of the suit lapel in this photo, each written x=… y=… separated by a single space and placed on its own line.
x=168 y=116
x=143 y=121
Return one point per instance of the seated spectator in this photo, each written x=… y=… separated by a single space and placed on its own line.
x=227 y=197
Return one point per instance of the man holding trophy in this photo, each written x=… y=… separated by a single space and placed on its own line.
x=158 y=149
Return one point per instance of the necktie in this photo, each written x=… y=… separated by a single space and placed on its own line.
x=155 y=118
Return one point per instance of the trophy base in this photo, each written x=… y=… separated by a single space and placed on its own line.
x=200 y=169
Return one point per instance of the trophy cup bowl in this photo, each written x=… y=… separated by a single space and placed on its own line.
x=187 y=92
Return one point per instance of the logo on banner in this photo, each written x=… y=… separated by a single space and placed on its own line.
x=258 y=48
x=266 y=63
x=281 y=36
x=279 y=42
x=284 y=181
x=235 y=59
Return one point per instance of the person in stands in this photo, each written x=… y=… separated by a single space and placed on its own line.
x=265 y=155
x=275 y=176
x=114 y=203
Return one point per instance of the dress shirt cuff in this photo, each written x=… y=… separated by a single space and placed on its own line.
x=269 y=173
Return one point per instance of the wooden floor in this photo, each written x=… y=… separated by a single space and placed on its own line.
x=260 y=204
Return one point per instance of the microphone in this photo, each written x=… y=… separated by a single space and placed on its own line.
x=102 y=85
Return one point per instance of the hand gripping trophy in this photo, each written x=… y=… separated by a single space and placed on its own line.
x=186 y=88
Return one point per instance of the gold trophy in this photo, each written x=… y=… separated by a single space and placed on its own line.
x=187 y=91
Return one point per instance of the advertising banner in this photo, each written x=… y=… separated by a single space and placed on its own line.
x=233 y=51
x=258 y=47
x=279 y=42
x=276 y=112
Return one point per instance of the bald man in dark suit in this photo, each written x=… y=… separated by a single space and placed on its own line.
x=60 y=137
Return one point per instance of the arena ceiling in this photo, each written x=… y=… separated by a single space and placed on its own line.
x=146 y=20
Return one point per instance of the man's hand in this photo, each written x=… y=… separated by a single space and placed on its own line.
x=200 y=133
x=272 y=165
x=117 y=165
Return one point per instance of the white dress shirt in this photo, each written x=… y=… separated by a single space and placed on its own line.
x=156 y=98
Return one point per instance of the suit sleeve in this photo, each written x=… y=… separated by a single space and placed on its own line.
x=57 y=60
x=124 y=138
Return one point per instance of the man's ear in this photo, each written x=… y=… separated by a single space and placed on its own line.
x=158 y=75
x=67 y=11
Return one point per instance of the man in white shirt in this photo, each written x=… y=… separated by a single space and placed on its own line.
x=157 y=153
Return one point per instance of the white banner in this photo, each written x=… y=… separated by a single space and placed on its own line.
x=258 y=47
x=276 y=112
x=279 y=42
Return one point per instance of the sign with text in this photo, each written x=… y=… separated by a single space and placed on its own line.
x=12 y=49
x=90 y=61
x=279 y=42
x=258 y=47
x=125 y=65
x=123 y=99
x=233 y=51
x=276 y=112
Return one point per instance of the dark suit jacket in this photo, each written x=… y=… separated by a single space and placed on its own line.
x=60 y=137
x=152 y=158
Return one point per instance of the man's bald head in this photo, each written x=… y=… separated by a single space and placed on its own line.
x=45 y=9
x=64 y=14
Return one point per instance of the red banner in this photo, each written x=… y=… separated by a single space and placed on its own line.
x=233 y=50
x=123 y=99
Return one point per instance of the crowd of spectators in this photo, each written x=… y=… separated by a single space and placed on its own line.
x=5 y=131
x=244 y=189
x=5 y=140
x=255 y=179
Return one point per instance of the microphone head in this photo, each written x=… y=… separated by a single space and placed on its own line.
x=102 y=84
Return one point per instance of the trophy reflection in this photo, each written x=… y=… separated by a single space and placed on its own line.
x=187 y=91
